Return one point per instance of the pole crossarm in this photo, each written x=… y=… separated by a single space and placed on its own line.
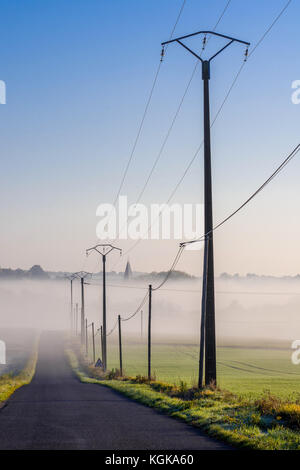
x=101 y=249
x=230 y=39
x=82 y=275
x=206 y=32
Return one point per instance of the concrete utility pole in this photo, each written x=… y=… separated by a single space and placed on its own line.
x=93 y=341
x=101 y=336
x=141 y=324
x=76 y=319
x=82 y=275
x=209 y=294
x=120 y=345
x=104 y=250
x=149 y=331
x=86 y=338
x=71 y=279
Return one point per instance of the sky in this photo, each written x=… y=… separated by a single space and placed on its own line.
x=78 y=75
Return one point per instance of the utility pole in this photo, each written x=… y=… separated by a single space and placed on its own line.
x=103 y=250
x=82 y=310
x=149 y=331
x=120 y=345
x=82 y=275
x=93 y=339
x=86 y=338
x=76 y=319
x=203 y=310
x=71 y=279
x=101 y=336
x=141 y=324
x=210 y=333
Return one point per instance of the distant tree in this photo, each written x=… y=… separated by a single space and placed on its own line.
x=36 y=272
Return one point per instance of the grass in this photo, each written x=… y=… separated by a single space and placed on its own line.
x=246 y=371
x=10 y=382
x=265 y=423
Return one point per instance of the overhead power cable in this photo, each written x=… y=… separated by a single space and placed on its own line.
x=140 y=127
x=165 y=140
x=177 y=257
x=268 y=180
x=113 y=329
x=146 y=111
x=213 y=121
x=137 y=310
x=176 y=113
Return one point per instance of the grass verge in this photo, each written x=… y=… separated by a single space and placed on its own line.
x=10 y=382
x=264 y=424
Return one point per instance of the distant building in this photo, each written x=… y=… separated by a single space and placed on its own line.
x=128 y=271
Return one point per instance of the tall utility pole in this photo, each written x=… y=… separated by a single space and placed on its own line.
x=101 y=336
x=209 y=294
x=103 y=250
x=82 y=275
x=149 y=331
x=202 y=326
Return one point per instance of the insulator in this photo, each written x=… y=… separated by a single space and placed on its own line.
x=204 y=42
x=246 y=54
x=162 y=54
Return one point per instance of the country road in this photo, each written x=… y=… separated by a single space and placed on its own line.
x=56 y=411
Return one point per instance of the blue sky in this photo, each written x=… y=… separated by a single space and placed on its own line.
x=78 y=75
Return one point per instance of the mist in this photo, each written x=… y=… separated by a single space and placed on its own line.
x=247 y=310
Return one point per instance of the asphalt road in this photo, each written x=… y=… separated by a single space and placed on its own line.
x=56 y=411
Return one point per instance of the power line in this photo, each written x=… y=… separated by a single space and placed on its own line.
x=168 y=135
x=166 y=138
x=137 y=310
x=177 y=113
x=215 y=118
x=273 y=175
x=140 y=127
x=145 y=111
x=113 y=329
x=196 y=291
x=177 y=257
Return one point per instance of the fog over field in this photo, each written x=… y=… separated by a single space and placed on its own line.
x=246 y=309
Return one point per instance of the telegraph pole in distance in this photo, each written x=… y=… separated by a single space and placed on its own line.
x=103 y=250
x=210 y=333
x=76 y=319
x=86 y=338
x=93 y=339
x=149 y=331
x=71 y=279
x=82 y=275
x=120 y=345
x=141 y=324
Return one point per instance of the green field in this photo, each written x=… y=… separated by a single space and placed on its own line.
x=242 y=370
